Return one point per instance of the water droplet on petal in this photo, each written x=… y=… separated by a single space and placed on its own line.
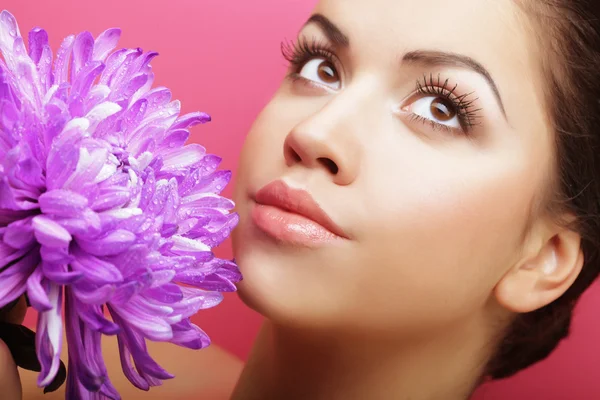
x=13 y=33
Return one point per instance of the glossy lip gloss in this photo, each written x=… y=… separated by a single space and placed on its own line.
x=292 y=216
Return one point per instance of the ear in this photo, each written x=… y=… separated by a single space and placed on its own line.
x=550 y=266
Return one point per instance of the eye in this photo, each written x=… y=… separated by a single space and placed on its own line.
x=322 y=72
x=437 y=109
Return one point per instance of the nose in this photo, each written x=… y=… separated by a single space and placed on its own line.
x=327 y=141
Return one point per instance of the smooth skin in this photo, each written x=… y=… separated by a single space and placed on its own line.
x=449 y=236
x=444 y=207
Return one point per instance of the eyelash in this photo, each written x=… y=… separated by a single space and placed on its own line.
x=463 y=104
x=298 y=53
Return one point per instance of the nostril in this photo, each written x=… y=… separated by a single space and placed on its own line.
x=329 y=164
x=293 y=155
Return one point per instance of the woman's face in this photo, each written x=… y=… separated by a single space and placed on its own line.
x=419 y=132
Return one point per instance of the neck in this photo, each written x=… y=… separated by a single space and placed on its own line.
x=287 y=364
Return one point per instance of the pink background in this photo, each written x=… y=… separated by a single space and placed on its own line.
x=222 y=57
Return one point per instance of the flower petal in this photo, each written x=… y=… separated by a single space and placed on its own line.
x=147 y=369
x=127 y=365
x=208 y=200
x=8 y=254
x=169 y=293
x=183 y=245
x=38 y=39
x=9 y=31
x=92 y=316
x=19 y=234
x=83 y=84
x=14 y=278
x=29 y=172
x=210 y=282
x=196 y=300
x=113 y=243
x=85 y=354
x=105 y=43
x=62 y=203
x=93 y=294
x=7 y=197
x=188 y=335
x=182 y=158
x=190 y=120
x=82 y=53
x=63 y=58
x=87 y=224
x=36 y=293
x=101 y=112
x=49 y=337
x=111 y=198
x=176 y=138
x=60 y=274
x=59 y=255
x=96 y=269
x=158 y=98
x=142 y=316
x=50 y=233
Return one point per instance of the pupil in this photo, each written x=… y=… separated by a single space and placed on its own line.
x=442 y=109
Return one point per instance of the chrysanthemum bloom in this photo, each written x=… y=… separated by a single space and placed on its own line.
x=103 y=208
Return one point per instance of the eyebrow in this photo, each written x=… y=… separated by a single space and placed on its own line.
x=333 y=33
x=423 y=57
x=440 y=58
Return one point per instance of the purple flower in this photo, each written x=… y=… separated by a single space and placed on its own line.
x=103 y=208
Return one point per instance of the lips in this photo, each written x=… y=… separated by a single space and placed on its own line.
x=292 y=215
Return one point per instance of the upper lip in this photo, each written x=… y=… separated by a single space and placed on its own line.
x=279 y=194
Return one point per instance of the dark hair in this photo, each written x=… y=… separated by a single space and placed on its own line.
x=569 y=34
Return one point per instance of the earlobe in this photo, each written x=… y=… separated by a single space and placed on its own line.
x=543 y=277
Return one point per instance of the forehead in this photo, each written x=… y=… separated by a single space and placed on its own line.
x=490 y=29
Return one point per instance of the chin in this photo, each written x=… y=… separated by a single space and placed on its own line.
x=255 y=290
x=283 y=283
x=277 y=299
x=248 y=295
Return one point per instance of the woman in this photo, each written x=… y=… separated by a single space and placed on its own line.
x=420 y=203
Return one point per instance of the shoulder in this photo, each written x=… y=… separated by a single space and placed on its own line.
x=210 y=373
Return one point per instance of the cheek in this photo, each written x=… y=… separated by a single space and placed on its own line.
x=444 y=233
x=261 y=153
x=261 y=160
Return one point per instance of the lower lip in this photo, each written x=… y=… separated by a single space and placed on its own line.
x=290 y=228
